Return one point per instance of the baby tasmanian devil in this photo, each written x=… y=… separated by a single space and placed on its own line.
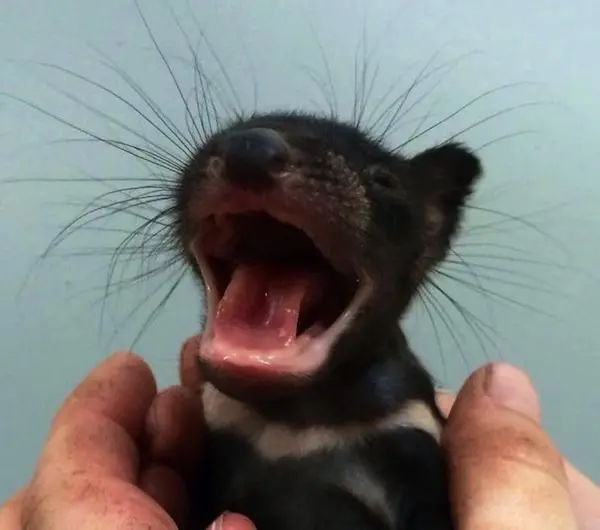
x=311 y=239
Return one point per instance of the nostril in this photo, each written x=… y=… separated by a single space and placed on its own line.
x=252 y=156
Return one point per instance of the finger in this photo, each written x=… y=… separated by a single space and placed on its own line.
x=188 y=366
x=95 y=430
x=445 y=400
x=10 y=512
x=86 y=503
x=85 y=465
x=174 y=428
x=585 y=497
x=504 y=470
x=167 y=488
x=120 y=389
x=232 y=521
x=585 y=494
x=91 y=449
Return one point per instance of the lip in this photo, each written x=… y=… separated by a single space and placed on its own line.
x=308 y=353
x=287 y=202
x=311 y=353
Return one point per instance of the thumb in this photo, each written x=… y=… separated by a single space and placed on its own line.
x=505 y=472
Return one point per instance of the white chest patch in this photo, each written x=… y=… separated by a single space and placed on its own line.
x=273 y=441
x=360 y=483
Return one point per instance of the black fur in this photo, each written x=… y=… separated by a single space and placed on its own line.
x=301 y=494
x=414 y=210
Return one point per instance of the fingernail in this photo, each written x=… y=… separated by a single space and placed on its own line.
x=232 y=521
x=157 y=420
x=510 y=387
x=218 y=524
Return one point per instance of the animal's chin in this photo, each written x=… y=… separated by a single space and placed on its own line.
x=275 y=304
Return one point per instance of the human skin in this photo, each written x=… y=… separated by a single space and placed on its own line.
x=117 y=450
x=505 y=471
x=114 y=457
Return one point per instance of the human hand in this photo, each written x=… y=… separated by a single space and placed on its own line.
x=115 y=457
x=505 y=472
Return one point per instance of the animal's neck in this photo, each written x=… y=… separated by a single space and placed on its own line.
x=386 y=379
x=275 y=440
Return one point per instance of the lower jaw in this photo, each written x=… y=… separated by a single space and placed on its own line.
x=297 y=361
x=249 y=344
x=253 y=388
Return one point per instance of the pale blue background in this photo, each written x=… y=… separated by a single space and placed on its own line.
x=50 y=333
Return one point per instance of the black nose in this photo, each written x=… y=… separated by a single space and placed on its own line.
x=252 y=156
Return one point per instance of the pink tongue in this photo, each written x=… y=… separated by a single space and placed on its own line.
x=261 y=305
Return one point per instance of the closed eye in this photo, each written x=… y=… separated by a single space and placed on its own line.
x=382 y=178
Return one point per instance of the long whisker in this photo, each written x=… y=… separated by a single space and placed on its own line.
x=113 y=120
x=438 y=308
x=399 y=102
x=169 y=69
x=477 y=326
x=423 y=296
x=464 y=107
x=239 y=112
x=500 y=297
x=130 y=149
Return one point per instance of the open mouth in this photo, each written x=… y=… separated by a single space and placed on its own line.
x=276 y=304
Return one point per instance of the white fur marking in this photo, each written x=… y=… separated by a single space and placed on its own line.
x=357 y=481
x=274 y=441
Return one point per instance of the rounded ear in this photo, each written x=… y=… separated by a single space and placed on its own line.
x=445 y=177
x=446 y=173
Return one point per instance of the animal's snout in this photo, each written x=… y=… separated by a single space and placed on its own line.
x=252 y=157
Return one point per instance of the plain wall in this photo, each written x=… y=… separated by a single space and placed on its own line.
x=531 y=297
